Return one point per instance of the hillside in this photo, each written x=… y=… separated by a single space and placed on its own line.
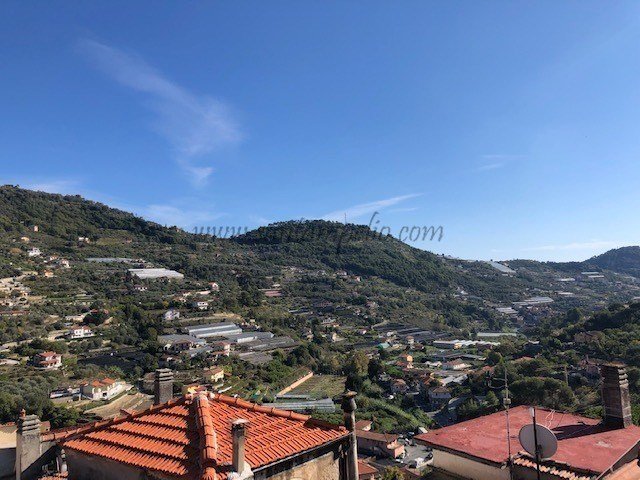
x=624 y=260
x=329 y=289
x=406 y=284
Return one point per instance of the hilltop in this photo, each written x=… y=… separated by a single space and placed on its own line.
x=624 y=260
x=407 y=284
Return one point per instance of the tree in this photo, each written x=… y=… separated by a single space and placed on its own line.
x=547 y=392
x=358 y=363
x=375 y=369
x=392 y=473
x=493 y=358
x=61 y=416
x=354 y=382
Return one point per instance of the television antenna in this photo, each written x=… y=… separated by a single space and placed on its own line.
x=506 y=402
x=539 y=441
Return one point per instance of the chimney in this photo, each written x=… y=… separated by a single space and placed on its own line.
x=349 y=408
x=615 y=395
x=163 y=386
x=239 y=436
x=28 y=447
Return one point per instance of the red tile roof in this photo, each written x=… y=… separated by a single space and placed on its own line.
x=365 y=468
x=48 y=354
x=190 y=437
x=362 y=424
x=378 y=437
x=583 y=443
x=553 y=471
x=630 y=471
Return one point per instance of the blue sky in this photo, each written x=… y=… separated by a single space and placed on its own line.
x=514 y=125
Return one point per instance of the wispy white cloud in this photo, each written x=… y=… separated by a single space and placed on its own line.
x=403 y=209
x=195 y=125
x=357 y=211
x=590 y=245
x=182 y=217
x=494 y=161
x=52 y=185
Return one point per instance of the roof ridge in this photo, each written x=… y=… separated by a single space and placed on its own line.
x=262 y=409
x=208 y=439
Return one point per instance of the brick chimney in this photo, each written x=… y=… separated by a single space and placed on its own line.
x=615 y=395
x=28 y=447
x=162 y=386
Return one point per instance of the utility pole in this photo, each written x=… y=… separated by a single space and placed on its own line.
x=535 y=440
x=506 y=401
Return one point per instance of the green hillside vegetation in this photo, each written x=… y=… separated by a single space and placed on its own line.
x=385 y=280
x=622 y=260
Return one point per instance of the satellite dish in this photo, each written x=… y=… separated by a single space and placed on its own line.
x=547 y=441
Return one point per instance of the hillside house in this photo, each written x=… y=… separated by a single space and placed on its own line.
x=179 y=343
x=213 y=374
x=221 y=349
x=439 y=396
x=34 y=252
x=80 y=332
x=399 y=386
x=379 y=444
x=171 y=314
x=456 y=365
x=364 y=425
x=200 y=305
x=47 y=360
x=405 y=361
x=104 y=389
x=366 y=471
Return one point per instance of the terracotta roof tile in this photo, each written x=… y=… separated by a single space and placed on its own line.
x=190 y=437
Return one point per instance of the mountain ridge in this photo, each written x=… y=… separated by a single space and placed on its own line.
x=434 y=282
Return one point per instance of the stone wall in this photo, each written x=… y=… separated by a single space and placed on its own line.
x=467 y=468
x=90 y=467
x=325 y=467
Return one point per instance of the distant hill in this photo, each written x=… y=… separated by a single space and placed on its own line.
x=408 y=284
x=354 y=248
x=67 y=215
x=622 y=260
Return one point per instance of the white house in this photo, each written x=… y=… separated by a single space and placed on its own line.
x=104 y=389
x=34 y=252
x=456 y=365
x=47 y=360
x=80 y=332
x=200 y=305
x=171 y=314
